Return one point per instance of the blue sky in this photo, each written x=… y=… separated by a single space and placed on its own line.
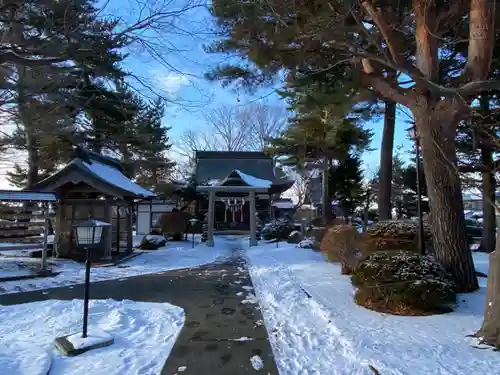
x=180 y=75
x=181 y=79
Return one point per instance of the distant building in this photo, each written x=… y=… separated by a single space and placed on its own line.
x=475 y=203
x=239 y=168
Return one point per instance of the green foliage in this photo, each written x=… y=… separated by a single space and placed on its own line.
x=346 y=183
x=152 y=143
x=317 y=132
x=18 y=176
x=52 y=99
x=278 y=229
x=403 y=283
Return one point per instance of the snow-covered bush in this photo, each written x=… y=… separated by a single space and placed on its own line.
x=343 y=244
x=309 y=243
x=153 y=242
x=278 y=229
x=294 y=237
x=403 y=283
x=395 y=235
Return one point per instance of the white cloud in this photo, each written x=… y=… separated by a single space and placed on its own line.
x=170 y=82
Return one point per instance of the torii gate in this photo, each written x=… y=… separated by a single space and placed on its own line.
x=212 y=190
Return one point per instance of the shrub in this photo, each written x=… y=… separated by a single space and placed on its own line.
x=403 y=283
x=317 y=222
x=395 y=235
x=278 y=229
x=152 y=242
x=342 y=243
x=174 y=224
x=294 y=237
x=309 y=243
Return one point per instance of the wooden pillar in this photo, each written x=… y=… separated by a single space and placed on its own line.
x=211 y=218
x=150 y=216
x=45 y=235
x=108 y=218
x=57 y=232
x=130 y=225
x=253 y=224
x=118 y=220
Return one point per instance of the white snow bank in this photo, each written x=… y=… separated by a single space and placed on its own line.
x=17 y=359
x=163 y=259
x=327 y=333
x=144 y=334
x=254 y=181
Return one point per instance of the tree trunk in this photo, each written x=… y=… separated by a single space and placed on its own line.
x=490 y=330
x=326 y=202
x=489 y=188
x=436 y=125
x=25 y=111
x=489 y=184
x=385 y=179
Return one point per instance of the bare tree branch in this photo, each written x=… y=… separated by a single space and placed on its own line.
x=245 y=128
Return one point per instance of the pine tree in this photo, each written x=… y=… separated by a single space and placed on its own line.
x=48 y=96
x=324 y=126
x=370 y=37
x=153 y=163
x=346 y=183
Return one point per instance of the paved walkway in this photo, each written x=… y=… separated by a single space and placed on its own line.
x=223 y=329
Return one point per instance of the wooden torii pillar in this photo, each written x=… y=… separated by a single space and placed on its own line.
x=212 y=190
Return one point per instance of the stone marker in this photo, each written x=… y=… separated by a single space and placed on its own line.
x=72 y=345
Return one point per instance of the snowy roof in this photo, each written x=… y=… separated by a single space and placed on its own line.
x=254 y=181
x=114 y=177
x=217 y=165
x=102 y=173
x=26 y=196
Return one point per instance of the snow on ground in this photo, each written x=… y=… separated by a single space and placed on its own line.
x=329 y=334
x=18 y=359
x=144 y=334
x=481 y=262
x=18 y=267
x=174 y=256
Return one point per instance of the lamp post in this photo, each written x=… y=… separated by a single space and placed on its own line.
x=193 y=222
x=414 y=136
x=88 y=236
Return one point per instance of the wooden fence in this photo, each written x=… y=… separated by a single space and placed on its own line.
x=21 y=225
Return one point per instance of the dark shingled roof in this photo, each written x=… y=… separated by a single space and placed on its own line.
x=217 y=165
x=103 y=173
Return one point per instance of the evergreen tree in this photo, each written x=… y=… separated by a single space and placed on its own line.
x=153 y=163
x=346 y=184
x=48 y=96
x=324 y=126
x=381 y=40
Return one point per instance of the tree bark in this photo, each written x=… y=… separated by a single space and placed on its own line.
x=385 y=179
x=436 y=125
x=326 y=202
x=490 y=330
x=489 y=184
x=26 y=111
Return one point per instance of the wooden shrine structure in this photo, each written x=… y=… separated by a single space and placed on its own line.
x=237 y=187
x=93 y=185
